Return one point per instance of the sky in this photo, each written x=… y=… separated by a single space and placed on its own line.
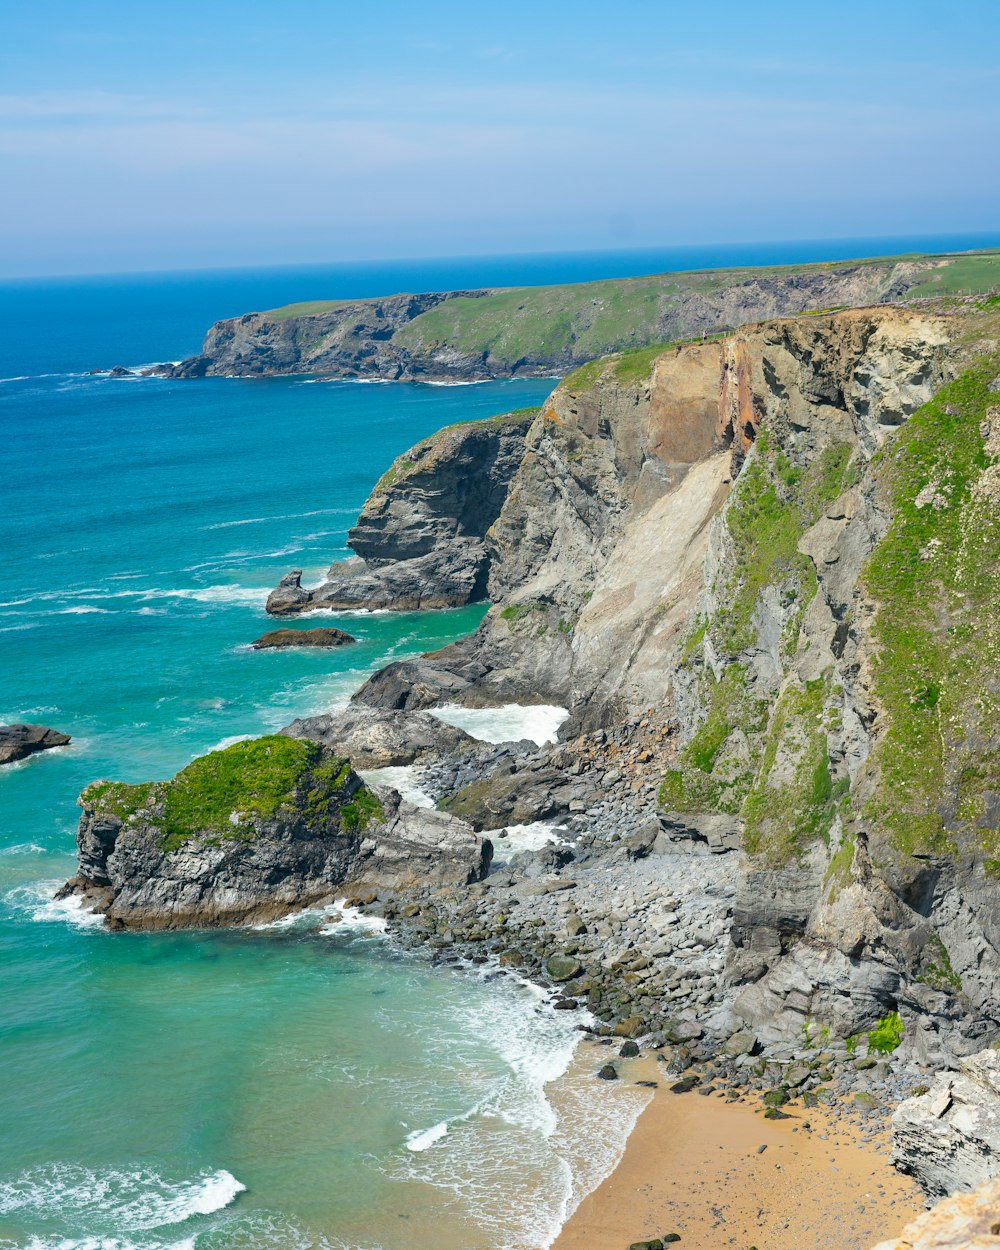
x=137 y=136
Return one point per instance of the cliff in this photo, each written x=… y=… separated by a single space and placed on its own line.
x=420 y=538
x=783 y=546
x=253 y=832
x=535 y=331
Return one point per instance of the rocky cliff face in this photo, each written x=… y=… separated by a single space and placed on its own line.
x=420 y=538
x=531 y=331
x=786 y=544
x=949 y=1136
x=253 y=832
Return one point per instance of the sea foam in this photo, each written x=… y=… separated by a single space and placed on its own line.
x=507 y=723
x=38 y=901
x=127 y=1200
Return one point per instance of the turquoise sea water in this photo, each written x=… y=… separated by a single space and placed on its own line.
x=303 y=1085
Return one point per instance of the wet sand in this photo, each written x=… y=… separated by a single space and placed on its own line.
x=693 y=1166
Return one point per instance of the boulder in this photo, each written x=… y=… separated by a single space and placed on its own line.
x=17 y=742
x=961 y=1222
x=563 y=967
x=380 y=738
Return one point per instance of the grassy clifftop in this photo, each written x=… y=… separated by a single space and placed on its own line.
x=590 y=319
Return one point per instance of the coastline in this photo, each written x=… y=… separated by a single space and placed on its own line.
x=693 y=1165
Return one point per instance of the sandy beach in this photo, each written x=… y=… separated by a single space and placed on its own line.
x=694 y=1165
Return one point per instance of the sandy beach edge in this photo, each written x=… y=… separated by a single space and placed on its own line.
x=717 y=1174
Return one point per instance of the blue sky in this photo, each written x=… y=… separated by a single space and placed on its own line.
x=135 y=136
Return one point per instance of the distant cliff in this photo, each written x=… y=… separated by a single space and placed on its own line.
x=534 y=331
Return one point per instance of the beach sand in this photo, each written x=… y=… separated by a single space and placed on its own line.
x=693 y=1166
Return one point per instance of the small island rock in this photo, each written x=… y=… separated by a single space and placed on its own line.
x=17 y=742
x=322 y=637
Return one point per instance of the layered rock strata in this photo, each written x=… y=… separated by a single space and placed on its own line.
x=719 y=532
x=529 y=332
x=949 y=1136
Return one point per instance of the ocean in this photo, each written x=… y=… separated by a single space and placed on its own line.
x=308 y=1084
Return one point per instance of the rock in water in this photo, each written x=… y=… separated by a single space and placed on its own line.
x=420 y=538
x=254 y=832
x=323 y=637
x=17 y=742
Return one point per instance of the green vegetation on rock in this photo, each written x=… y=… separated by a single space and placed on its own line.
x=938 y=972
x=886 y=1036
x=223 y=793
x=936 y=578
x=765 y=761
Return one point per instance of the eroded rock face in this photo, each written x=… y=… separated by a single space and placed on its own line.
x=352 y=339
x=404 y=337
x=252 y=833
x=962 y=1222
x=17 y=742
x=420 y=536
x=949 y=1138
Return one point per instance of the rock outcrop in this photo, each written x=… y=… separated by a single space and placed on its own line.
x=949 y=1137
x=344 y=338
x=253 y=832
x=17 y=742
x=279 y=639
x=964 y=1222
x=719 y=532
x=420 y=538
x=378 y=738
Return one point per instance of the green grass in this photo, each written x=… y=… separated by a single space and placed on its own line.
x=938 y=972
x=784 y=815
x=404 y=465
x=936 y=580
x=582 y=321
x=730 y=764
x=308 y=308
x=964 y=273
x=221 y=794
x=516 y=613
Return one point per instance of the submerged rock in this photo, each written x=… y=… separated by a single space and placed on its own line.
x=17 y=742
x=325 y=636
x=254 y=832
